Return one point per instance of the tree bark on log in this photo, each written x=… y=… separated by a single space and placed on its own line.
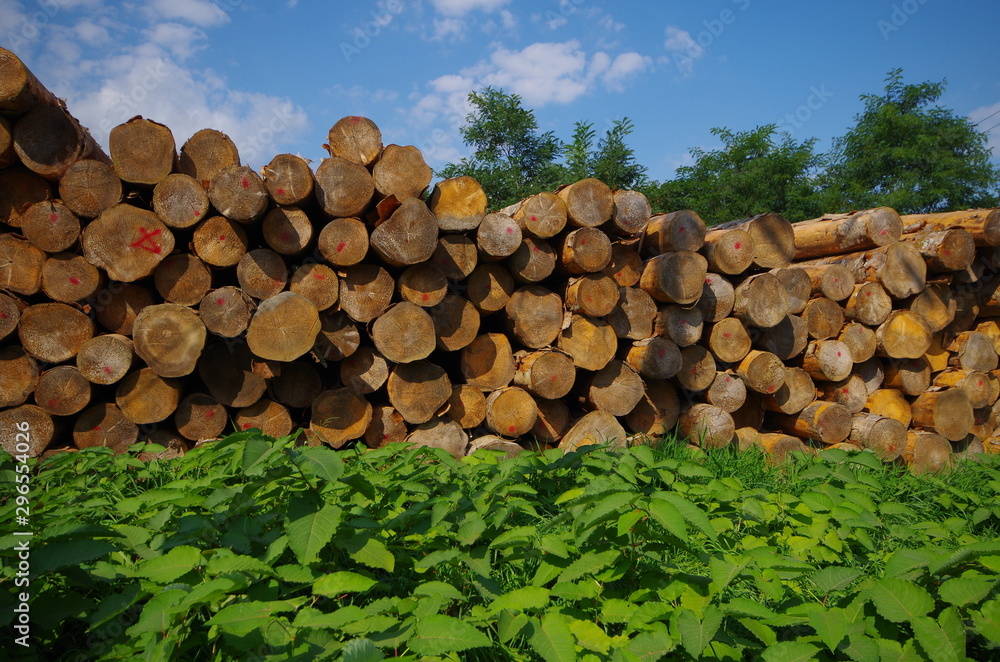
x=983 y=224
x=944 y=250
x=825 y=422
x=773 y=238
x=837 y=234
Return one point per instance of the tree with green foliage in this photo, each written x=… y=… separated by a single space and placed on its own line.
x=754 y=172
x=907 y=153
x=511 y=158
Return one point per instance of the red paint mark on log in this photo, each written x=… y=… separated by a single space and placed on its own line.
x=53 y=217
x=534 y=218
x=246 y=183
x=107 y=370
x=341 y=246
x=727 y=335
x=210 y=413
x=281 y=191
x=838 y=355
x=97 y=428
x=147 y=242
x=219 y=302
x=197 y=212
x=846 y=391
x=662 y=353
x=52 y=404
x=246 y=426
x=319 y=276
x=680 y=230
x=510 y=230
x=222 y=237
x=285 y=236
x=426 y=297
x=511 y=429
x=74 y=280
x=737 y=245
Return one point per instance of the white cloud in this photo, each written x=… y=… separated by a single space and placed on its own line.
x=448 y=28
x=199 y=12
x=988 y=117
x=625 y=67
x=180 y=40
x=541 y=73
x=91 y=33
x=608 y=24
x=683 y=49
x=462 y=7
x=507 y=19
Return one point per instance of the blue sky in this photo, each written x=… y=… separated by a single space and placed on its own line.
x=277 y=74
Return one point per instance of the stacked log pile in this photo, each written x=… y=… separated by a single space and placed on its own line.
x=177 y=295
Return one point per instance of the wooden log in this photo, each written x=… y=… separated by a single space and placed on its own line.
x=26 y=430
x=19 y=89
x=456 y=323
x=423 y=284
x=418 y=390
x=851 y=392
x=796 y=392
x=226 y=311
x=944 y=250
x=677 y=231
x=495 y=443
x=552 y=423
x=287 y=230
x=365 y=292
x=594 y=294
x=497 y=237
x=773 y=239
x=824 y=318
x=53 y=332
x=936 y=305
x=401 y=172
x=786 y=340
x=365 y=371
x=890 y=403
x=262 y=273
x=616 y=388
x=19 y=189
x=833 y=281
x=356 y=139
x=180 y=201
x=387 y=427
x=220 y=242
x=441 y=433
x=911 y=376
x=751 y=414
x=21 y=265
x=488 y=362
x=990 y=327
x=903 y=335
x=677 y=277
x=585 y=250
x=48 y=140
x=761 y=301
x=835 y=234
x=19 y=373
x=456 y=255
x=128 y=243
x=105 y=359
x=466 y=406
x=983 y=224
x=657 y=412
x=972 y=350
x=343 y=189
x=510 y=412
x=489 y=288
x=625 y=265
x=798 y=287
x=338 y=337
x=729 y=252
x=266 y=415
x=547 y=374
x=200 y=417
x=145 y=397
x=726 y=392
x=343 y=242
x=297 y=385
x=780 y=447
x=533 y=261
x=459 y=204
x=142 y=151
x=860 y=340
x=985 y=423
x=10 y=314
x=885 y=436
x=682 y=325
x=948 y=412
x=926 y=452
x=967 y=309
x=68 y=278
x=239 y=194
x=283 y=328
x=407 y=237
x=827 y=360
x=8 y=156
x=698 y=368
x=540 y=216
x=225 y=370
x=762 y=371
x=316 y=282
x=707 y=426
x=630 y=212
x=977 y=385
x=633 y=317
x=169 y=338
x=50 y=226
x=654 y=358
x=206 y=154
x=534 y=316
x=591 y=342
x=824 y=422
x=868 y=304
x=104 y=425
x=589 y=202
x=899 y=267
x=596 y=428
x=338 y=416
x=404 y=333
x=717 y=298
x=118 y=304
x=182 y=278
x=289 y=180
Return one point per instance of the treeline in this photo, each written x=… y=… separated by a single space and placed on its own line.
x=904 y=151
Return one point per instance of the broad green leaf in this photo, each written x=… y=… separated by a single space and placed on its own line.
x=63 y=553
x=746 y=607
x=861 y=648
x=554 y=545
x=586 y=589
x=764 y=633
x=158 y=613
x=961 y=591
x=470 y=530
x=522 y=599
x=692 y=513
x=434 y=559
x=439 y=589
x=360 y=650
x=724 y=570
x=697 y=633
x=963 y=555
x=899 y=600
x=569 y=495
x=942 y=640
x=987 y=621
x=790 y=651
x=834 y=578
x=440 y=634
x=893 y=651
x=256 y=452
x=520 y=536
x=590 y=636
x=510 y=625
x=553 y=640
x=616 y=610
x=310 y=528
x=831 y=625
x=375 y=554
x=221 y=564
x=243 y=618
x=338 y=583
x=323 y=463
x=589 y=563
x=667 y=516
x=165 y=569
x=904 y=561
x=653 y=644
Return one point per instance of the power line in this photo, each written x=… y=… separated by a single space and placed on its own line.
x=992 y=127
x=986 y=118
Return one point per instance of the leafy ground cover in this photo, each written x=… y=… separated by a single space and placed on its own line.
x=253 y=549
